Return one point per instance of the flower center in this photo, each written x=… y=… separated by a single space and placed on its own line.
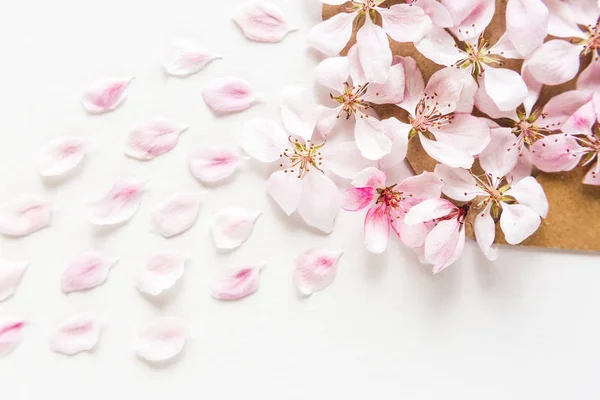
x=477 y=55
x=389 y=196
x=460 y=213
x=302 y=157
x=592 y=45
x=495 y=190
x=430 y=114
x=531 y=133
x=591 y=148
x=351 y=99
x=365 y=7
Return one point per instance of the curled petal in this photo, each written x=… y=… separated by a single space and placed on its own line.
x=530 y=193
x=374 y=52
x=358 y=198
x=160 y=340
x=237 y=282
x=505 y=87
x=485 y=233
x=24 y=215
x=11 y=335
x=315 y=270
x=232 y=226
x=458 y=183
x=518 y=222
x=11 y=273
x=263 y=140
x=526 y=24
x=119 y=204
x=228 y=95
x=404 y=22
x=555 y=153
x=286 y=189
x=320 y=201
x=162 y=271
x=412 y=236
x=87 y=271
x=444 y=244
x=62 y=155
x=176 y=214
x=501 y=155
x=428 y=210
x=261 y=21
x=185 y=57
x=298 y=111
x=152 y=139
x=370 y=177
x=78 y=334
x=214 y=164
x=332 y=35
x=106 y=95
x=370 y=138
x=377 y=229
x=554 y=62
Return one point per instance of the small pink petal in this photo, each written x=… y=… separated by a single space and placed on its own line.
x=405 y=23
x=62 y=155
x=458 y=183
x=315 y=270
x=470 y=17
x=286 y=189
x=176 y=214
x=87 y=271
x=370 y=177
x=160 y=340
x=502 y=153
x=320 y=201
x=377 y=229
x=374 y=52
x=78 y=334
x=526 y=24
x=518 y=222
x=186 y=57
x=554 y=62
x=106 y=95
x=530 y=193
x=152 y=139
x=214 y=164
x=24 y=215
x=237 y=282
x=228 y=95
x=162 y=271
x=261 y=21
x=11 y=335
x=332 y=35
x=233 y=226
x=428 y=210
x=555 y=153
x=11 y=273
x=485 y=233
x=444 y=244
x=119 y=204
x=356 y=199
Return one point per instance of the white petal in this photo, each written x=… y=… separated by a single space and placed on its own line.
x=458 y=183
x=237 y=282
x=62 y=155
x=152 y=139
x=505 y=87
x=428 y=210
x=397 y=132
x=554 y=62
x=176 y=214
x=315 y=270
x=298 y=111
x=185 y=57
x=106 y=95
x=332 y=72
x=119 y=204
x=485 y=233
x=24 y=215
x=78 y=334
x=160 y=340
x=228 y=95
x=502 y=153
x=370 y=177
x=447 y=154
x=161 y=272
x=438 y=46
x=526 y=24
x=389 y=92
x=11 y=335
x=593 y=175
x=232 y=226
x=505 y=47
x=589 y=79
x=377 y=229
x=11 y=273
x=327 y=120
x=472 y=19
x=261 y=21
x=332 y=35
x=286 y=189
x=370 y=138
x=530 y=193
x=518 y=222
x=466 y=132
x=444 y=244
x=213 y=164
x=414 y=85
x=404 y=22
x=263 y=140
x=344 y=159
x=374 y=52
x=87 y=271
x=320 y=201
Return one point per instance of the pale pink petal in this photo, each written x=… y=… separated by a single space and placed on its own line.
x=518 y=222
x=261 y=21
x=439 y=46
x=530 y=193
x=505 y=87
x=397 y=132
x=344 y=159
x=405 y=23
x=184 y=57
x=466 y=102
x=505 y=47
x=524 y=166
x=370 y=138
x=105 y=95
x=11 y=335
x=485 y=104
x=370 y=177
x=554 y=62
x=285 y=187
x=412 y=236
x=320 y=201
x=428 y=210
x=356 y=199
x=332 y=72
x=377 y=229
x=526 y=24
x=119 y=204
x=445 y=88
x=585 y=12
x=315 y=270
x=78 y=334
x=334 y=2
x=444 y=244
x=160 y=340
x=447 y=154
x=466 y=132
x=593 y=175
x=426 y=185
x=263 y=140
x=502 y=154
x=237 y=282
x=327 y=119
x=458 y=183
x=485 y=233
x=589 y=79
x=436 y=11
x=414 y=85
x=562 y=21
x=233 y=226
x=161 y=272
x=560 y=107
x=228 y=95
x=374 y=52
x=331 y=36
x=213 y=164
x=298 y=111
x=389 y=92
x=581 y=121
x=152 y=139
x=357 y=73
x=62 y=155
x=470 y=17
x=87 y=271
x=176 y=214
x=11 y=273
x=24 y=215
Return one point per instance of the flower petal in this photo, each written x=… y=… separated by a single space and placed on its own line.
x=593 y=175
x=332 y=35
x=62 y=155
x=439 y=46
x=377 y=229
x=445 y=88
x=344 y=159
x=562 y=21
x=374 y=52
x=298 y=111
x=526 y=24
x=501 y=154
x=237 y=282
x=176 y=214
x=79 y=333
x=105 y=95
x=370 y=177
x=458 y=183
x=119 y=204
x=428 y=210
x=486 y=105
x=161 y=272
x=315 y=270
x=414 y=84
x=518 y=222
x=152 y=139
x=228 y=95
x=426 y=185
x=24 y=215
x=232 y=226
x=437 y=12
x=404 y=22
x=389 y=92
x=11 y=273
x=555 y=153
x=87 y=271
x=485 y=233
x=160 y=340
x=370 y=138
x=332 y=72
x=560 y=107
x=320 y=201
x=213 y=164
x=397 y=132
x=589 y=79
x=444 y=244
x=185 y=57
x=11 y=335
x=286 y=189
x=261 y=21
x=581 y=121
x=263 y=140
x=327 y=119
x=466 y=132
x=356 y=199
x=446 y=154
x=505 y=87
x=530 y=193
x=554 y=62
x=470 y=17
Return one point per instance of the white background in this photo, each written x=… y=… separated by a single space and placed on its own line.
x=523 y=327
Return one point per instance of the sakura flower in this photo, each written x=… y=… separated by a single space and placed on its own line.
x=80 y=333
x=388 y=204
x=11 y=335
x=261 y=21
x=237 y=282
x=402 y=22
x=62 y=155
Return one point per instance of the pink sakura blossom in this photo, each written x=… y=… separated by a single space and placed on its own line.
x=11 y=335
x=80 y=333
x=315 y=270
x=261 y=21
x=105 y=95
x=235 y=283
x=151 y=139
x=184 y=57
x=402 y=22
x=388 y=204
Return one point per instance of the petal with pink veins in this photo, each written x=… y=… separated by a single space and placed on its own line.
x=458 y=183
x=555 y=153
x=261 y=21
x=11 y=274
x=466 y=132
x=505 y=87
x=333 y=72
x=213 y=164
x=62 y=155
x=437 y=12
x=315 y=270
x=161 y=272
x=389 y=92
x=426 y=185
x=119 y=204
x=428 y=210
x=185 y=57
x=554 y=62
x=581 y=121
x=444 y=244
x=358 y=198
x=286 y=189
x=589 y=78
x=320 y=201
x=405 y=23
x=370 y=177
x=232 y=226
x=370 y=138
x=87 y=271
x=332 y=35
x=377 y=229
x=263 y=140
x=160 y=340
x=485 y=233
x=24 y=215
x=502 y=153
x=11 y=335
x=152 y=139
x=344 y=159
x=593 y=175
x=526 y=24
x=446 y=87
x=176 y=214
x=560 y=107
x=228 y=95
x=298 y=111
x=518 y=222
x=78 y=334
x=105 y=95
x=413 y=236
x=374 y=52
x=446 y=154
x=237 y=282
x=470 y=17
x=439 y=46
x=397 y=132
x=530 y=193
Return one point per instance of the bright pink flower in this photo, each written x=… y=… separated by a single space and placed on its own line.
x=388 y=206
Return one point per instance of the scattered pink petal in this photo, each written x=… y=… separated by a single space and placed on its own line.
x=261 y=21
x=24 y=215
x=119 y=204
x=237 y=282
x=229 y=95
x=232 y=226
x=11 y=273
x=78 y=334
x=315 y=270
x=176 y=214
x=162 y=271
x=104 y=96
x=152 y=139
x=214 y=164
x=185 y=57
x=62 y=155
x=160 y=340
x=87 y=271
x=11 y=335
